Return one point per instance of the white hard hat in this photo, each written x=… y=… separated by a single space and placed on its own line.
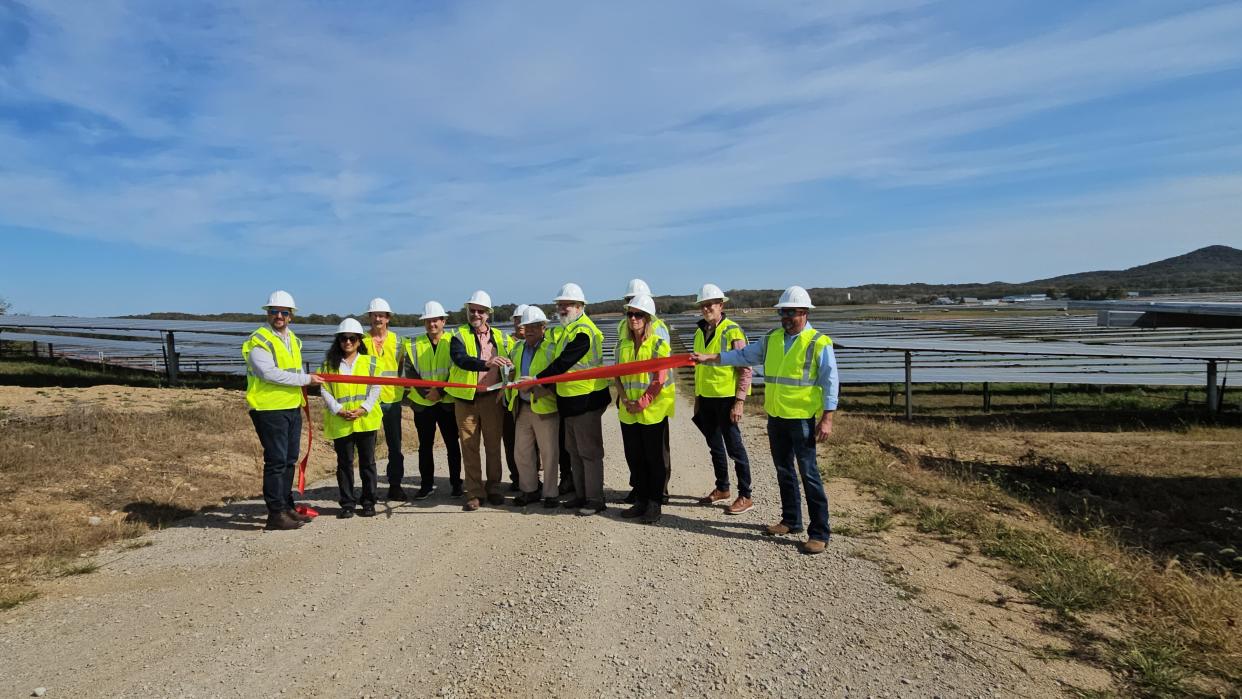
x=378 y=305
x=643 y=303
x=532 y=315
x=281 y=299
x=637 y=287
x=571 y=292
x=795 y=297
x=517 y=311
x=349 y=325
x=711 y=292
x=433 y=309
x=480 y=298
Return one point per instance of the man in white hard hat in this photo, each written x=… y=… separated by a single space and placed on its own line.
x=719 y=397
x=509 y=437
x=427 y=357
x=274 y=380
x=800 y=395
x=638 y=287
x=535 y=411
x=478 y=352
x=582 y=403
x=387 y=349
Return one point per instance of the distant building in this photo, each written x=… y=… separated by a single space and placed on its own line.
x=969 y=299
x=943 y=301
x=1024 y=298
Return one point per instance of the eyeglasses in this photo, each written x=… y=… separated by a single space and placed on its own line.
x=636 y=314
x=790 y=312
x=349 y=338
x=279 y=312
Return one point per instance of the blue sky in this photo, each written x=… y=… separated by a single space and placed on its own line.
x=194 y=156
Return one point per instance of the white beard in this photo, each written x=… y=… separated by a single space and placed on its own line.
x=570 y=316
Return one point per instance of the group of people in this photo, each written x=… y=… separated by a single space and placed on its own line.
x=551 y=433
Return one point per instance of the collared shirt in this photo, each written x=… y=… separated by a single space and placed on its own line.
x=744 y=375
x=263 y=365
x=347 y=367
x=826 y=376
x=487 y=350
x=527 y=355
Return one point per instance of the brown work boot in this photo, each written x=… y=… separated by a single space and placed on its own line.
x=282 y=521
x=299 y=516
x=779 y=529
x=471 y=505
x=715 y=497
x=813 y=546
x=742 y=504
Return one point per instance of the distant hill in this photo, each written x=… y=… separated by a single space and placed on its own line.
x=1214 y=268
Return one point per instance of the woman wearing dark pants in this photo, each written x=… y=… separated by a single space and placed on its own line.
x=352 y=417
x=646 y=403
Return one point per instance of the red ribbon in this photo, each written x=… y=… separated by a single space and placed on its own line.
x=603 y=372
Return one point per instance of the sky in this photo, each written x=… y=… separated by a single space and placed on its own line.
x=194 y=156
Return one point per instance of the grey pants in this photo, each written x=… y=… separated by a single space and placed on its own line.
x=584 y=440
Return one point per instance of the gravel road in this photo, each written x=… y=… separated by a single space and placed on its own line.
x=425 y=600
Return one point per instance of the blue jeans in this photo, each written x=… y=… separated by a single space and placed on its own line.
x=792 y=440
x=392 y=437
x=280 y=432
x=724 y=440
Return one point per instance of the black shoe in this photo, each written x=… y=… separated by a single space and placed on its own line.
x=395 y=492
x=592 y=507
x=652 y=515
x=424 y=492
x=282 y=521
x=574 y=503
x=631 y=497
x=495 y=499
x=458 y=490
x=549 y=503
x=566 y=487
x=638 y=509
x=299 y=516
x=367 y=511
x=345 y=513
x=524 y=499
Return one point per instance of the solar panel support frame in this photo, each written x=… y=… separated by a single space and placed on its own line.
x=1211 y=388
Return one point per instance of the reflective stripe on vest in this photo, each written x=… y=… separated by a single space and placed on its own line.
x=262 y=395
x=388 y=360
x=432 y=364
x=540 y=361
x=594 y=357
x=635 y=385
x=500 y=343
x=717 y=380
x=351 y=396
x=790 y=390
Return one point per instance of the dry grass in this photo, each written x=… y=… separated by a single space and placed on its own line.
x=133 y=471
x=1126 y=522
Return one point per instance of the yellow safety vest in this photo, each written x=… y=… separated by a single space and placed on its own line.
x=540 y=361
x=716 y=380
x=501 y=342
x=636 y=384
x=351 y=396
x=789 y=388
x=262 y=395
x=431 y=362
x=388 y=361
x=592 y=359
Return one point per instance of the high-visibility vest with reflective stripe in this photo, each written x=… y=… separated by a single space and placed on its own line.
x=501 y=344
x=592 y=359
x=388 y=361
x=542 y=358
x=635 y=385
x=432 y=364
x=789 y=388
x=351 y=396
x=263 y=395
x=717 y=380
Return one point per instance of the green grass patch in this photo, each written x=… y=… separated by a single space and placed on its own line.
x=1155 y=666
x=879 y=522
x=10 y=598
x=79 y=569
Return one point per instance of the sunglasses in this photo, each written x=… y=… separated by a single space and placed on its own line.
x=277 y=312
x=349 y=338
x=790 y=312
x=635 y=314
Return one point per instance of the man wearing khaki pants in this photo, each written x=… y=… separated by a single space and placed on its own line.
x=477 y=351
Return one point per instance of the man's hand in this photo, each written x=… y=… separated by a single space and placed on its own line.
x=825 y=428
x=497 y=361
x=704 y=358
x=433 y=395
x=735 y=413
x=316 y=380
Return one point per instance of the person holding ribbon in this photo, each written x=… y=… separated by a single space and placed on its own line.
x=534 y=409
x=660 y=329
x=274 y=392
x=427 y=358
x=645 y=403
x=350 y=417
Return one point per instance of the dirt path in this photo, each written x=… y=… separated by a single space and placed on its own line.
x=428 y=600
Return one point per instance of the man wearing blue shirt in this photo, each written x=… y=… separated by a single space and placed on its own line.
x=800 y=396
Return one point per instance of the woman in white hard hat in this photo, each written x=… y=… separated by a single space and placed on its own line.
x=646 y=402
x=351 y=417
x=387 y=349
